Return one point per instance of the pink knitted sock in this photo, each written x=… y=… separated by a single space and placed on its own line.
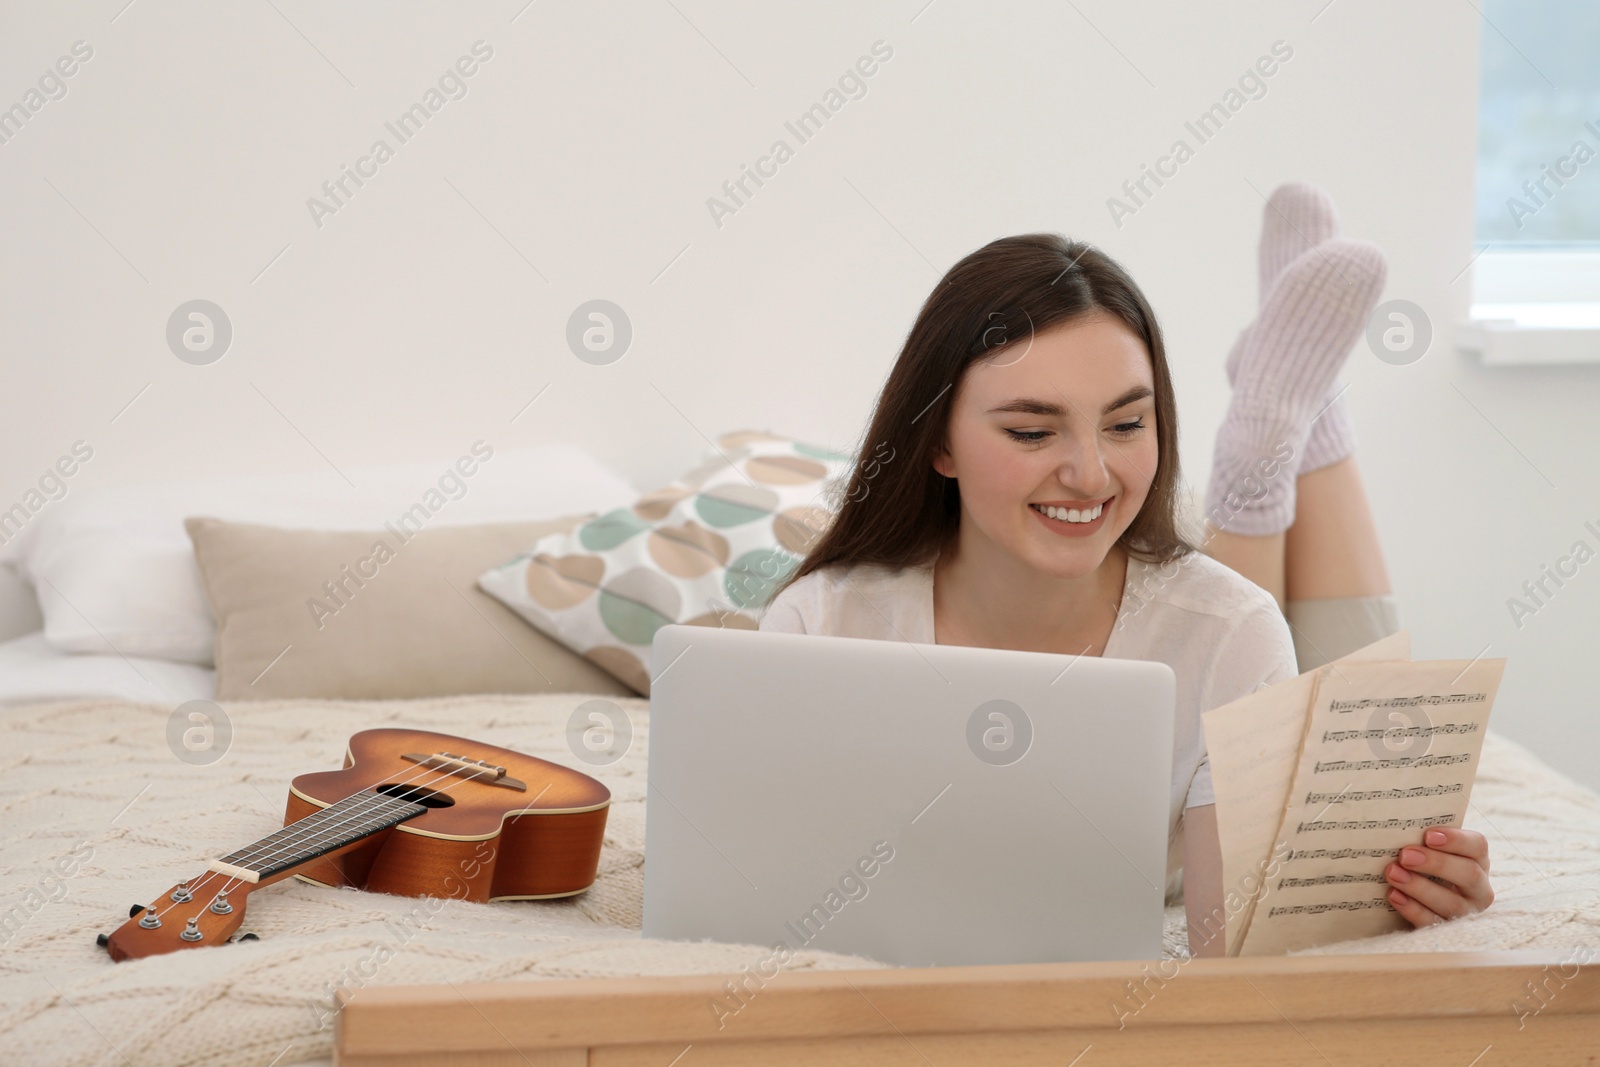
x=1287 y=364
x=1296 y=219
x=1299 y=216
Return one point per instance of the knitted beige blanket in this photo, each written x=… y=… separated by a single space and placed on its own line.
x=93 y=789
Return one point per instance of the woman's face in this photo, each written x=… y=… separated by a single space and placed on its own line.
x=1066 y=418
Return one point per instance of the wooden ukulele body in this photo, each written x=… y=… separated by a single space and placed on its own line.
x=490 y=843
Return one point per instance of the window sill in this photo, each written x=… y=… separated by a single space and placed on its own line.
x=1532 y=333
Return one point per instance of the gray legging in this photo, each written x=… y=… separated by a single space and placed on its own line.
x=1326 y=629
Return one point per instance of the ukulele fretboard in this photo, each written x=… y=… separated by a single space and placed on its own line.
x=317 y=835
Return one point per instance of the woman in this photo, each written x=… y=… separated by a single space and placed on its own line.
x=1022 y=493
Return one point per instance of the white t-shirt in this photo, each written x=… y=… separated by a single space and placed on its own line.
x=1223 y=636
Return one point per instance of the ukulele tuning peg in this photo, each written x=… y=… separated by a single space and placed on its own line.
x=182 y=894
x=221 y=905
x=102 y=940
x=191 y=930
x=243 y=937
x=134 y=911
x=150 y=920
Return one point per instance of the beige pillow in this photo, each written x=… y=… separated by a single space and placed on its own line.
x=367 y=616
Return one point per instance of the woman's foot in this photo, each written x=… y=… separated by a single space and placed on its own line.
x=1285 y=369
x=1298 y=217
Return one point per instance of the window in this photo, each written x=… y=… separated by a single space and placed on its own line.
x=1536 y=275
x=1539 y=125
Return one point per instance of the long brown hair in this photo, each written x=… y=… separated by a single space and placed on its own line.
x=896 y=509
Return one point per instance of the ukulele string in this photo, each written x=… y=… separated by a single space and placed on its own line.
x=356 y=812
x=353 y=814
x=304 y=833
x=295 y=839
x=298 y=839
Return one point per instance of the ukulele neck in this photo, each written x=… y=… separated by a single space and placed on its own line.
x=316 y=835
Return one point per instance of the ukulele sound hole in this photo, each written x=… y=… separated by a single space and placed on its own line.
x=428 y=798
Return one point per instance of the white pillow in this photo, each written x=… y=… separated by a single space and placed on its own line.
x=114 y=570
x=31 y=672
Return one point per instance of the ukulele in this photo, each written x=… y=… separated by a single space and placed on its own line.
x=411 y=813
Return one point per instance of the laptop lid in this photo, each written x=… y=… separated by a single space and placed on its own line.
x=916 y=804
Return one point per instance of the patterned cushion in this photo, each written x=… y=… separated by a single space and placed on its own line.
x=707 y=550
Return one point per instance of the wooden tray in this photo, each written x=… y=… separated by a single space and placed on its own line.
x=1461 y=1009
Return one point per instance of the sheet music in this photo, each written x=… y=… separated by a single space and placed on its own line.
x=1254 y=743
x=1391 y=748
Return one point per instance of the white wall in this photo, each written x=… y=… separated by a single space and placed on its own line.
x=432 y=307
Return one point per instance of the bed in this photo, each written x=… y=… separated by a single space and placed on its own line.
x=352 y=977
x=101 y=813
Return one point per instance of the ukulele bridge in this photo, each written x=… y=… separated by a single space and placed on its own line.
x=466 y=767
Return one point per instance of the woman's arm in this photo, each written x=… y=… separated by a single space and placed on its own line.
x=1257 y=651
x=1202 y=881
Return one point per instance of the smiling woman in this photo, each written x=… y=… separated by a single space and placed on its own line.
x=1045 y=375
x=1032 y=418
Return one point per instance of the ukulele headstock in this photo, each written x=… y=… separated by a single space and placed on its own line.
x=191 y=914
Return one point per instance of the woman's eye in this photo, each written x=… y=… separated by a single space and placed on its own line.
x=1121 y=429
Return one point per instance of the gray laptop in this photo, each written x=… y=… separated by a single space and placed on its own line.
x=916 y=804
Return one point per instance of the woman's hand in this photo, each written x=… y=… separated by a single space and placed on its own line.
x=1460 y=858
